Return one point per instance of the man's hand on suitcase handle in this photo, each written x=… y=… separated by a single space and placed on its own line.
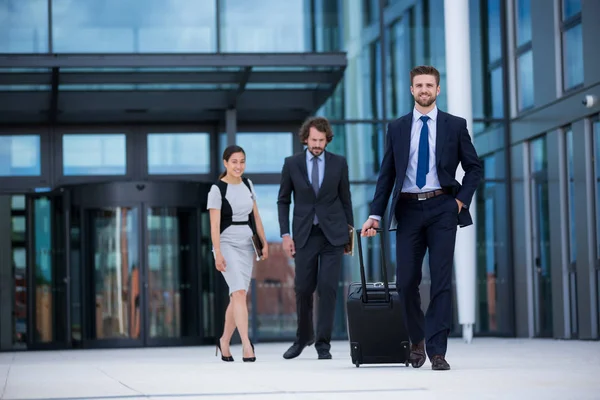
x=370 y=228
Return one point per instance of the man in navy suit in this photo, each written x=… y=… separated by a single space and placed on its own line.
x=422 y=152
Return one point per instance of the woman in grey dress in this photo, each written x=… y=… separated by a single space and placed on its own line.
x=230 y=201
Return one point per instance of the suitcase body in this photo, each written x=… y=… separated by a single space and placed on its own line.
x=376 y=328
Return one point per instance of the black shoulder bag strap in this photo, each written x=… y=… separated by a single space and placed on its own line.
x=251 y=215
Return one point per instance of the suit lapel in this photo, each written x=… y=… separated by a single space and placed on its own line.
x=440 y=139
x=405 y=132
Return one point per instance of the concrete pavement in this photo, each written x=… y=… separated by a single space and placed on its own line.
x=485 y=369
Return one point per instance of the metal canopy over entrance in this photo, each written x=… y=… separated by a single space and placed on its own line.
x=109 y=88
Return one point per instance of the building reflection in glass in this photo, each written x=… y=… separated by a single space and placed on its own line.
x=117 y=273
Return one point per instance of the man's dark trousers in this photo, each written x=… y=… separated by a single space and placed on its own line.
x=318 y=266
x=426 y=224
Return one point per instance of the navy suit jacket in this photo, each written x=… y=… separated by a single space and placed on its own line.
x=453 y=145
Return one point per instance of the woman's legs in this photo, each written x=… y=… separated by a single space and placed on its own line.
x=228 y=329
x=240 y=315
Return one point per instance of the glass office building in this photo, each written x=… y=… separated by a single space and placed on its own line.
x=114 y=116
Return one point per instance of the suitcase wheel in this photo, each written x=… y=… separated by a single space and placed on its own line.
x=406 y=364
x=357 y=364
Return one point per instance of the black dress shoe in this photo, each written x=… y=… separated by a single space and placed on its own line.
x=439 y=363
x=324 y=354
x=417 y=354
x=295 y=350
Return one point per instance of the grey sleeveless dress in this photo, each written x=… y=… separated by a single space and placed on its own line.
x=236 y=240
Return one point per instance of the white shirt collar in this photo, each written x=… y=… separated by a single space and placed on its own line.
x=431 y=114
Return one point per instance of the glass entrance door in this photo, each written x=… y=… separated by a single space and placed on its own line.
x=47 y=272
x=139 y=276
x=172 y=311
x=113 y=274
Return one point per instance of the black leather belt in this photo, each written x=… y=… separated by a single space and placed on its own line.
x=424 y=195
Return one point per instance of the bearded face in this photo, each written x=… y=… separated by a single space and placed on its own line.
x=425 y=90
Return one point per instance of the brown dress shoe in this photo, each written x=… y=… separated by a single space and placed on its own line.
x=439 y=363
x=417 y=354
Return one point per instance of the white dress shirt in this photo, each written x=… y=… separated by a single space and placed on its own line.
x=432 y=182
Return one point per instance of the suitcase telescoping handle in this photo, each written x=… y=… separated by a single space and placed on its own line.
x=363 y=279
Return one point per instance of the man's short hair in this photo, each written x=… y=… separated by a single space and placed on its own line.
x=424 y=70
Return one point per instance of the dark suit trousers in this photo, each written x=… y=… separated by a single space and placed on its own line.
x=318 y=266
x=426 y=224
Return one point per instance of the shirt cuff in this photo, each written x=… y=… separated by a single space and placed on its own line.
x=285 y=234
x=375 y=217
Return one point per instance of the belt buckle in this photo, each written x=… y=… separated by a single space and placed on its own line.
x=421 y=196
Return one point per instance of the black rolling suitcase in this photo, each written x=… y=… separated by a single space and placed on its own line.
x=376 y=326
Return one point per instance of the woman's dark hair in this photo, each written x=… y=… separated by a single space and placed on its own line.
x=229 y=151
x=319 y=123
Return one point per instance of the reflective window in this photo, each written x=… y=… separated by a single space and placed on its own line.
x=597 y=182
x=23 y=26
x=400 y=101
x=265 y=152
x=133 y=26
x=570 y=8
x=573 y=57
x=20 y=155
x=523 y=11
x=494 y=32
x=497 y=103
x=274 y=278
x=178 y=153
x=487 y=264
x=572 y=278
x=264 y=26
x=540 y=223
x=525 y=80
x=351 y=140
x=94 y=154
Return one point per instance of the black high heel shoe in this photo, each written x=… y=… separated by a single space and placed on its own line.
x=218 y=349
x=250 y=359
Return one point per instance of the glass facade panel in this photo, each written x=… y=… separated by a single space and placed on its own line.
x=597 y=192
x=362 y=145
x=265 y=26
x=113 y=26
x=542 y=282
x=20 y=155
x=487 y=265
x=24 y=26
x=265 y=152
x=497 y=88
x=570 y=8
x=400 y=62
x=494 y=31
x=525 y=72
x=94 y=154
x=178 y=153
x=572 y=233
x=272 y=306
x=573 y=57
x=597 y=183
x=523 y=23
